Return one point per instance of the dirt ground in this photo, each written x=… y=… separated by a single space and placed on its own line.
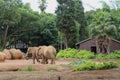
x=13 y=70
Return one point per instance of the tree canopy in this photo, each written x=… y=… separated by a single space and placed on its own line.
x=67 y=26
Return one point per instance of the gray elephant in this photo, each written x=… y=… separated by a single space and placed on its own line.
x=33 y=51
x=47 y=52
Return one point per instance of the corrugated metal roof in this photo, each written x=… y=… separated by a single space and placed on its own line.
x=91 y=38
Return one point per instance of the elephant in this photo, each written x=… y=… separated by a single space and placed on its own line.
x=33 y=51
x=16 y=54
x=2 y=57
x=8 y=55
x=47 y=52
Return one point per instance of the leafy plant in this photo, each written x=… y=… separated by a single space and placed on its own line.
x=84 y=54
x=67 y=53
x=113 y=56
x=96 y=66
x=100 y=56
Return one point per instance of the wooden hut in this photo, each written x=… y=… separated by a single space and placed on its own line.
x=91 y=45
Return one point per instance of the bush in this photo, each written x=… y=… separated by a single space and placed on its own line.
x=113 y=56
x=67 y=53
x=100 y=56
x=86 y=66
x=84 y=54
x=74 y=53
x=117 y=52
x=95 y=66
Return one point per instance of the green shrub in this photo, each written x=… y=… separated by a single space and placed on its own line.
x=117 y=52
x=95 y=66
x=67 y=53
x=86 y=66
x=113 y=56
x=84 y=54
x=100 y=56
x=118 y=63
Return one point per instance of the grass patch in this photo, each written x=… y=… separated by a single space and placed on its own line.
x=29 y=68
x=77 y=63
x=53 y=68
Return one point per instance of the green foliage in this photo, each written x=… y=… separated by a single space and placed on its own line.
x=42 y=5
x=113 y=56
x=69 y=13
x=67 y=53
x=116 y=51
x=77 y=63
x=29 y=68
x=74 y=53
x=118 y=63
x=84 y=54
x=100 y=56
x=95 y=66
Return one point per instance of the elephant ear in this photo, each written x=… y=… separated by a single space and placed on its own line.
x=39 y=48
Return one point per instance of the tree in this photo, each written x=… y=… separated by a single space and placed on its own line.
x=103 y=24
x=42 y=5
x=103 y=29
x=70 y=21
x=9 y=17
x=47 y=29
x=28 y=23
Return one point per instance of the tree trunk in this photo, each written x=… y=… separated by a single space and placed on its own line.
x=66 y=43
x=5 y=37
x=98 y=50
x=61 y=44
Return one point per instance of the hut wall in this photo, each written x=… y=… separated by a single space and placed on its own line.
x=87 y=44
x=114 y=46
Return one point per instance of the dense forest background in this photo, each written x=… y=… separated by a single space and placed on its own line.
x=69 y=25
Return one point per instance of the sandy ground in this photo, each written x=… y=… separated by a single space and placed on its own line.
x=13 y=70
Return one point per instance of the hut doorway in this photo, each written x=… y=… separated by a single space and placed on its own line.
x=93 y=49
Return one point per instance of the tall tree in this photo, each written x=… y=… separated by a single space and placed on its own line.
x=9 y=17
x=42 y=5
x=69 y=20
x=47 y=29
x=103 y=29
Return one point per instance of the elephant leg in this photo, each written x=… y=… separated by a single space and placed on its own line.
x=37 y=59
x=46 y=60
x=43 y=59
x=33 y=59
x=51 y=61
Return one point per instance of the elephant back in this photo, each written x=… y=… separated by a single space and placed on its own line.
x=7 y=52
x=49 y=52
x=16 y=54
x=2 y=57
